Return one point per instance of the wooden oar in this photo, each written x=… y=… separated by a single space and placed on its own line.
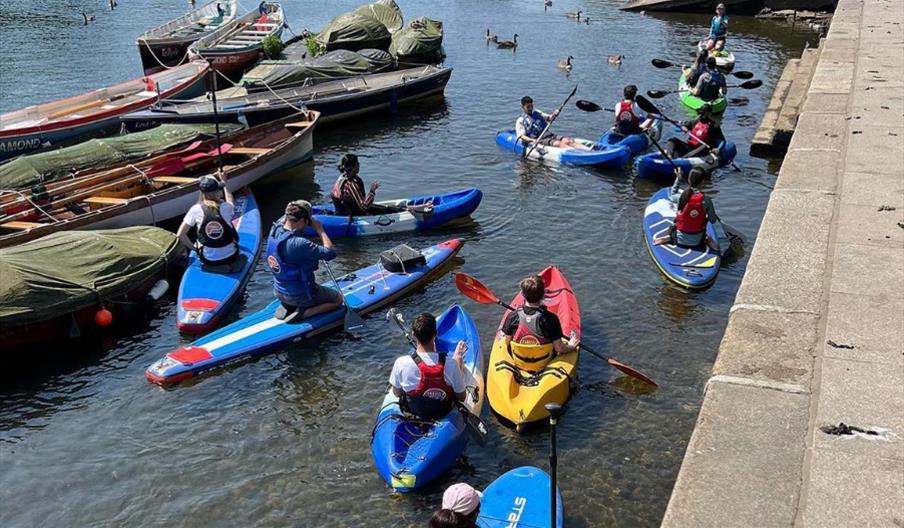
x=476 y=291
x=660 y=63
x=747 y=85
x=545 y=130
x=84 y=106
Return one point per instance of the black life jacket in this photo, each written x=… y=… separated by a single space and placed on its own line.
x=215 y=231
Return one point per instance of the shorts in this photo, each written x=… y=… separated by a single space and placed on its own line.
x=320 y=295
x=548 y=139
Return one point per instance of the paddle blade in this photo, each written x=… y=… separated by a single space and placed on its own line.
x=588 y=106
x=659 y=63
x=631 y=372
x=749 y=85
x=477 y=430
x=743 y=74
x=353 y=321
x=646 y=105
x=657 y=94
x=474 y=289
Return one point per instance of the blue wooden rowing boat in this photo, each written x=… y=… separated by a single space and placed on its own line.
x=206 y=295
x=261 y=333
x=519 y=498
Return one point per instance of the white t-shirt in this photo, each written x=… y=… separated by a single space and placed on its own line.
x=195 y=217
x=405 y=374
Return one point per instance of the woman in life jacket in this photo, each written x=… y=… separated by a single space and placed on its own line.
x=718 y=29
x=348 y=194
x=627 y=114
x=695 y=210
x=705 y=130
x=217 y=240
x=692 y=74
x=426 y=381
x=533 y=335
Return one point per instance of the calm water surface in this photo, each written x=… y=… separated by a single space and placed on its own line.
x=87 y=441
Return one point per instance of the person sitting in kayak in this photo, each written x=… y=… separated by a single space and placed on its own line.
x=718 y=29
x=293 y=259
x=692 y=74
x=531 y=123
x=533 y=324
x=426 y=384
x=627 y=114
x=461 y=507
x=348 y=192
x=217 y=240
x=703 y=131
x=695 y=210
x=711 y=84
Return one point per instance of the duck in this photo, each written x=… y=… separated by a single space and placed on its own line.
x=88 y=18
x=574 y=16
x=508 y=43
x=615 y=59
x=565 y=64
x=491 y=38
x=587 y=20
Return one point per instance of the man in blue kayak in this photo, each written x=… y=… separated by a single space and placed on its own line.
x=718 y=29
x=426 y=384
x=293 y=260
x=695 y=210
x=711 y=84
x=531 y=123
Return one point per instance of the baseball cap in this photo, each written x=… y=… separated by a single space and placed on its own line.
x=720 y=6
x=208 y=184
x=298 y=209
x=461 y=498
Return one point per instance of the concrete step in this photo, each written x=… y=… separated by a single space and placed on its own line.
x=797 y=94
x=763 y=140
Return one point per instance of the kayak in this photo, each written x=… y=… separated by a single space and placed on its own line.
x=410 y=453
x=206 y=294
x=614 y=156
x=519 y=498
x=695 y=103
x=654 y=165
x=517 y=389
x=413 y=215
x=692 y=268
x=637 y=143
x=260 y=333
x=725 y=60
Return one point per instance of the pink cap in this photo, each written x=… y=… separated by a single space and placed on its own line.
x=461 y=498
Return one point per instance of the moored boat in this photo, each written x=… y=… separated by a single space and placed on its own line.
x=94 y=113
x=167 y=45
x=156 y=192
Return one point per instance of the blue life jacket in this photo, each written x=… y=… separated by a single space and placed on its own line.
x=291 y=280
x=711 y=90
x=533 y=124
x=718 y=27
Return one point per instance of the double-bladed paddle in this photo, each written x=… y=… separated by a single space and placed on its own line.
x=746 y=85
x=660 y=63
x=590 y=106
x=476 y=428
x=476 y=291
x=545 y=130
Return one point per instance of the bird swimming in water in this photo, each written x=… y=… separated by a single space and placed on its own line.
x=88 y=18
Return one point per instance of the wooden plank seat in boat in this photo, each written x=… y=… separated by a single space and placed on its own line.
x=105 y=200
x=19 y=225
x=174 y=179
x=299 y=124
x=249 y=151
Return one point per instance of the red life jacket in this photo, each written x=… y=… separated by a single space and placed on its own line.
x=692 y=219
x=260 y=25
x=625 y=112
x=433 y=397
x=700 y=130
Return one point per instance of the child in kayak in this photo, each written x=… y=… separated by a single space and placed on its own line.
x=461 y=507
x=718 y=29
x=695 y=210
x=703 y=131
x=711 y=84
x=533 y=324
x=627 y=114
x=531 y=123
x=426 y=384
x=217 y=241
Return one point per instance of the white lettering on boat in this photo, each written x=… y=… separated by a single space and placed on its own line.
x=514 y=516
x=20 y=145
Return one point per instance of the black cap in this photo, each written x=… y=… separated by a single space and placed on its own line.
x=208 y=184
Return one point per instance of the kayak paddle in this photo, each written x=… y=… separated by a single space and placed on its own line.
x=659 y=63
x=476 y=291
x=590 y=106
x=477 y=430
x=545 y=130
x=554 y=410
x=746 y=85
x=353 y=321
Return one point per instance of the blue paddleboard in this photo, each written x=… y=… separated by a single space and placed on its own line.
x=519 y=499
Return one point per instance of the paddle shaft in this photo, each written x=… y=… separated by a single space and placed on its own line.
x=348 y=309
x=546 y=129
x=216 y=117
x=553 y=463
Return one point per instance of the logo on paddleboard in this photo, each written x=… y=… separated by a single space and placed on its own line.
x=273 y=263
x=214 y=230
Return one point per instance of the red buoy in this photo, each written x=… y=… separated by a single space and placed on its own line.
x=103 y=317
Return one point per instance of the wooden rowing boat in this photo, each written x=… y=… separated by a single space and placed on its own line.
x=148 y=193
x=167 y=45
x=94 y=113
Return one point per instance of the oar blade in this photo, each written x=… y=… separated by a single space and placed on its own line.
x=631 y=371
x=588 y=106
x=477 y=430
x=647 y=106
x=659 y=63
x=743 y=74
x=751 y=84
x=474 y=289
x=657 y=94
x=353 y=321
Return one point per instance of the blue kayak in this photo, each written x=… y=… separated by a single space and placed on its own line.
x=205 y=296
x=595 y=155
x=260 y=333
x=692 y=268
x=638 y=143
x=519 y=498
x=414 y=214
x=653 y=165
x=410 y=453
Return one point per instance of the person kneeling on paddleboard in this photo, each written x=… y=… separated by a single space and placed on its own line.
x=703 y=131
x=293 y=260
x=212 y=217
x=426 y=384
x=627 y=114
x=531 y=123
x=461 y=507
x=711 y=84
x=533 y=324
x=695 y=210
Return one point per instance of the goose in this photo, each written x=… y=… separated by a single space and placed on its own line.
x=491 y=38
x=615 y=59
x=508 y=43
x=88 y=18
x=565 y=64
x=547 y=3
x=113 y=5
x=587 y=20
x=575 y=16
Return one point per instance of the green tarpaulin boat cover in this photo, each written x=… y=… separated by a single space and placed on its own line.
x=30 y=169
x=421 y=41
x=352 y=31
x=332 y=64
x=70 y=270
x=387 y=12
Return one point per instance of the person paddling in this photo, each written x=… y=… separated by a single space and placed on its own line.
x=531 y=123
x=692 y=74
x=711 y=84
x=627 y=114
x=293 y=260
x=461 y=507
x=426 y=383
x=217 y=240
x=348 y=192
x=533 y=324
x=703 y=131
x=718 y=29
x=695 y=210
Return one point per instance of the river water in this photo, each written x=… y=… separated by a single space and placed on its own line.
x=86 y=441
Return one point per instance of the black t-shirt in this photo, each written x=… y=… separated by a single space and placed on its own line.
x=548 y=324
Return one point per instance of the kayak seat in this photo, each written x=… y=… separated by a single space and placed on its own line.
x=530 y=357
x=529 y=378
